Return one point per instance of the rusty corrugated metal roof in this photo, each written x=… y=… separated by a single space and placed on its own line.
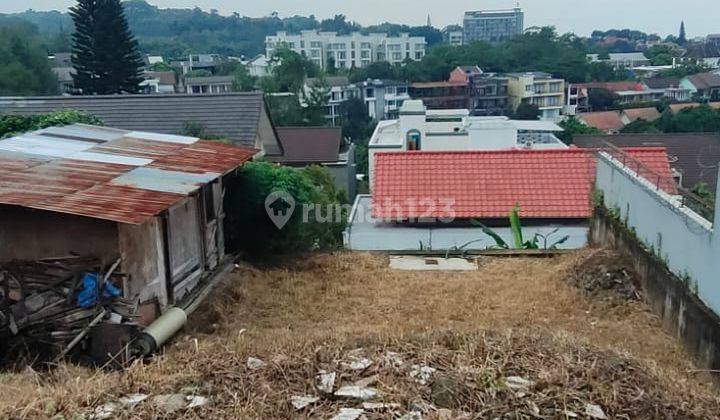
x=109 y=174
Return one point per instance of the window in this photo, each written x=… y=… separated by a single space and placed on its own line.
x=397 y=56
x=364 y=55
x=315 y=44
x=370 y=93
x=412 y=140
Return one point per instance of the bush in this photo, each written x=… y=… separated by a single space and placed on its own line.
x=248 y=228
x=15 y=124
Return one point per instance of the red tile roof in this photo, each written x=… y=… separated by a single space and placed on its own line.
x=487 y=184
x=605 y=121
x=647 y=114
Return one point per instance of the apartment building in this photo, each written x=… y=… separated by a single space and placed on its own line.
x=347 y=51
x=492 y=26
x=487 y=92
x=537 y=88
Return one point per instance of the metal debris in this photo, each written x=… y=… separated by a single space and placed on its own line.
x=595 y=412
x=348 y=414
x=255 y=363
x=517 y=383
x=325 y=381
x=302 y=401
x=421 y=373
x=196 y=401
x=132 y=400
x=356 y=392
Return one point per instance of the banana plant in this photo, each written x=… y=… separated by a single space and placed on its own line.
x=517 y=235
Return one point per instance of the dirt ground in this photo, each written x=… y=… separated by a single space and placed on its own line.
x=519 y=338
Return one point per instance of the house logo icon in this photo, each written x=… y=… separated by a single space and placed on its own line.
x=280 y=206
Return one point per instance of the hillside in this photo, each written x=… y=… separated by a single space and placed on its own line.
x=177 y=32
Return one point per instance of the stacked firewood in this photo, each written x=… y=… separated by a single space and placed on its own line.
x=40 y=310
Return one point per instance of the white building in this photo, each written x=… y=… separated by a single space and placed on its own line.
x=208 y=84
x=384 y=98
x=259 y=66
x=347 y=51
x=455 y=130
x=621 y=60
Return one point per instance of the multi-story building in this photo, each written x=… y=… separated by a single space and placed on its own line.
x=347 y=51
x=487 y=93
x=384 y=98
x=208 y=84
x=453 y=35
x=537 y=88
x=492 y=25
x=340 y=90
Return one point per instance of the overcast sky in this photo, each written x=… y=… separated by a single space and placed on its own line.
x=579 y=16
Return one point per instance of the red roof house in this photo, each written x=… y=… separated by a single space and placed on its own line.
x=546 y=184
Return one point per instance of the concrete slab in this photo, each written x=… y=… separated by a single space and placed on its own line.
x=412 y=263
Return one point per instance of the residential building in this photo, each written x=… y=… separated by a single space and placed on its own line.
x=159 y=82
x=492 y=26
x=441 y=95
x=694 y=157
x=631 y=115
x=208 y=62
x=208 y=84
x=537 y=88
x=713 y=39
x=323 y=146
x=628 y=92
x=488 y=93
x=384 y=98
x=339 y=91
x=423 y=129
x=672 y=88
x=705 y=86
x=621 y=60
x=153 y=202
x=609 y=122
x=242 y=118
x=259 y=66
x=61 y=66
x=431 y=200
x=347 y=51
x=66 y=83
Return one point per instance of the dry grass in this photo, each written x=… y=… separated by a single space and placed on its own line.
x=514 y=317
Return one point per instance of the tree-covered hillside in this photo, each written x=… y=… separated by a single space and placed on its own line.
x=177 y=32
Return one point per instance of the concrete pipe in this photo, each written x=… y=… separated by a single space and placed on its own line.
x=160 y=331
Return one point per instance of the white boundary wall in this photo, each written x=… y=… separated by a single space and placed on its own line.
x=684 y=240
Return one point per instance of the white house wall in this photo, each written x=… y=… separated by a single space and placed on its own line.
x=364 y=233
x=679 y=236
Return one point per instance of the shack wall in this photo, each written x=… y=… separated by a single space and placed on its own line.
x=27 y=234
x=142 y=248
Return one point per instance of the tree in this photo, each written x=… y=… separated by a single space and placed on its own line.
x=682 y=38
x=24 y=68
x=356 y=124
x=602 y=99
x=527 y=111
x=105 y=54
x=571 y=127
x=242 y=80
x=291 y=69
x=316 y=102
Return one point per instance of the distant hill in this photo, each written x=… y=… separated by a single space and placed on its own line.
x=178 y=32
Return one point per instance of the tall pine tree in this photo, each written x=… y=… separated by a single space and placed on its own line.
x=105 y=53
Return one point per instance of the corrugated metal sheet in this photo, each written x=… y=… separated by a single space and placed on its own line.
x=165 y=181
x=205 y=156
x=90 y=171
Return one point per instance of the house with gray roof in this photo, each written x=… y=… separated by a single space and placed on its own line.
x=242 y=118
x=703 y=85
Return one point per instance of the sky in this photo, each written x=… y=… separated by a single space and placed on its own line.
x=580 y=16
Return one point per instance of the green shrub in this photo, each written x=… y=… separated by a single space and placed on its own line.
x=248 y=228
x=16 y=124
